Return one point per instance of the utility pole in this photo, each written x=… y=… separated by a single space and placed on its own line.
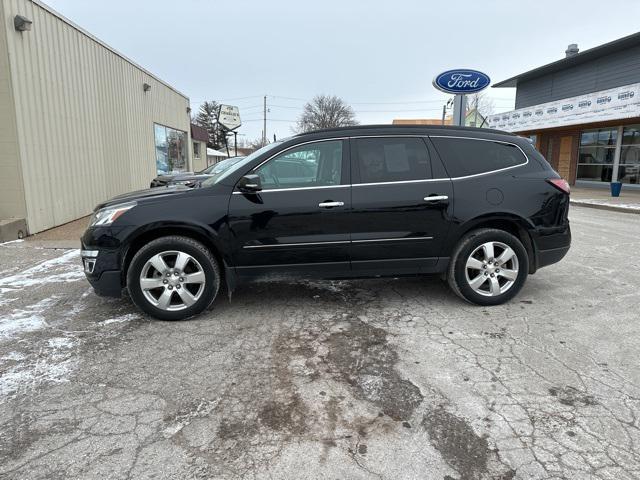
x=235 y=142
x=264 y=127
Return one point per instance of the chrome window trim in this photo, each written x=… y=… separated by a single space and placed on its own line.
x=303 y=244
x=337 y=242
x=292 y=189
x=490 y=172
x=426 y=180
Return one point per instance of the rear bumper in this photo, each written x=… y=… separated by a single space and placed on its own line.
x=549 y=257
x=551 y=245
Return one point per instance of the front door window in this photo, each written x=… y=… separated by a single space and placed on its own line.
x=317 y=164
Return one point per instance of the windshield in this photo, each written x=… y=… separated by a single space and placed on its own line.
x=220 y=166
x=238 y=164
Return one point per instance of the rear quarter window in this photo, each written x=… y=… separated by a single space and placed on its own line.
x=468 y=156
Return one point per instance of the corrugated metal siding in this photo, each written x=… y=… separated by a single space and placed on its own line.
x=85 y=125
x=621 y=68
x=11 y=193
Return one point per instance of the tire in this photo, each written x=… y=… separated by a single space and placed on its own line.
x=173 y=278
x=475 y=277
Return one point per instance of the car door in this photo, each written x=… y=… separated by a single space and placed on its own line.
x=299 y=220
x=400 y=212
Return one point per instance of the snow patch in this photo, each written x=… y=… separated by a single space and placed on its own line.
x=52 y=362
x=627 y=206
x=121 y=319
x=24 y=320
x=65 y=268
x=61 y=343
x=53 y=369
x=20 y=240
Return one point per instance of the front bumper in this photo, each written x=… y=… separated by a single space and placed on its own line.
x=102 y=260
x=107 y=284
x=105 y=281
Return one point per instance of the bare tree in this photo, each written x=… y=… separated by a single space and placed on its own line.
x=481 y=103
x=325 y=111
x=256 y=144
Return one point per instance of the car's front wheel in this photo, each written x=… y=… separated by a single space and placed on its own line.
x=488 y=267
x=172 y=278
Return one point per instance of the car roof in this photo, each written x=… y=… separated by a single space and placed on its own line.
x=445 y=130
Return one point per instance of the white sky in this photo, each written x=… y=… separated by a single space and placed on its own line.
x=379 y=56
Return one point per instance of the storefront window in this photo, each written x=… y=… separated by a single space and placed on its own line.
x=596 y=154
x=171 y=151
x=629 y=168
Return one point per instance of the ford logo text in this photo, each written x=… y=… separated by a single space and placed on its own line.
x=461 y=81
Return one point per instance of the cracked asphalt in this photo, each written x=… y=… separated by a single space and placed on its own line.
x=385 y=378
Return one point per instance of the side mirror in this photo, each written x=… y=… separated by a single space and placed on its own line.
x=250 y=183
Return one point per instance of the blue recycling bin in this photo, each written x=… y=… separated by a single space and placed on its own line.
x=616 y=187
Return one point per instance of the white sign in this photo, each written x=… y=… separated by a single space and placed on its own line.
x=613 y=104
x=229 y=117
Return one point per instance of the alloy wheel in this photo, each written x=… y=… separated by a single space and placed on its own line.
x=492 y=269
x=172 y=280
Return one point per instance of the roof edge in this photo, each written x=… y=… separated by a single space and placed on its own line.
x=512 y=82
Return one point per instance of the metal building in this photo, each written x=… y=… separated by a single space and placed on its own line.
x=583 y=112
x=79 y=122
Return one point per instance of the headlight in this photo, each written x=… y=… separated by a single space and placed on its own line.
x=106 y=216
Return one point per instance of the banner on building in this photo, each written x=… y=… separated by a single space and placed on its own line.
x=613 y=104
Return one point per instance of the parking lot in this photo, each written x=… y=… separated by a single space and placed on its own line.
x=385 y=378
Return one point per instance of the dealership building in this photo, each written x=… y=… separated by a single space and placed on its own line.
x=79 y=122
x=583 y=112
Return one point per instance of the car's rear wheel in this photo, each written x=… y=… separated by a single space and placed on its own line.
x=172 y=278
x=488 y=267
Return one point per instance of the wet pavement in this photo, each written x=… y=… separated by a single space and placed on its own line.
x=392 y=378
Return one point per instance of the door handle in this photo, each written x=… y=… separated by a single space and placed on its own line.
x=436 y=198
x=331 y=204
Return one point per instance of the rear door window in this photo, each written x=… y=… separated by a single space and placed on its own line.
x=392 y=159
x=469 y=156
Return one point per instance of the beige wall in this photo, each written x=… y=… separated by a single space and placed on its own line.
x=11 y=193
x=200 y=163
x=84 y=123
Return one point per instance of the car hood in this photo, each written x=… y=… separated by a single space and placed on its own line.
x=177 y=176
x=147 y=194
x=184 y=178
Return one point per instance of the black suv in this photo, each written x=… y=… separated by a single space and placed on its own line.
x=482 y=208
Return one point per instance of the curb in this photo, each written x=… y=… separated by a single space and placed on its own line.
x=600 y=206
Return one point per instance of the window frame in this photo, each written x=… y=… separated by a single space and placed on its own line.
x=345 y=176
x=355 y=164
x=490 y=172
x=185 y=146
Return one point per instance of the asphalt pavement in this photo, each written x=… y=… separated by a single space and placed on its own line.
x=384 y=378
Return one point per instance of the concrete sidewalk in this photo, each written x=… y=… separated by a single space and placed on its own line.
x=628 y=201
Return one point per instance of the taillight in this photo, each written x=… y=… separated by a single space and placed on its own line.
x=561 y=184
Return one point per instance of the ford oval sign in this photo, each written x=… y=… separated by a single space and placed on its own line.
x=461 y=81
